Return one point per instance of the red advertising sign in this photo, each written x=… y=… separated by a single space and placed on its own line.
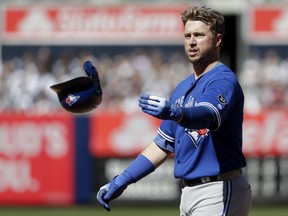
x=266 y=134
x=36 y=160
x=92 y=23
x=268 y=23
x=120 y=134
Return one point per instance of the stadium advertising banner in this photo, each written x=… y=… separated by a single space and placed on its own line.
x=266 y=133
x=121 y=135
x=92 y=24
x=266 y=24
x=125 y=135
x=36 y=159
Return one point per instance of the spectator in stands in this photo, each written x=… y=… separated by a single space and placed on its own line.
x=25 y=80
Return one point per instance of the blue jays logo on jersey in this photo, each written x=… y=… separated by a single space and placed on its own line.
x=71 y=99
x=190 y=102
x=196 y=135
x=179 y=102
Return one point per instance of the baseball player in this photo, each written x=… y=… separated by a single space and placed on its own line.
x=202 y=127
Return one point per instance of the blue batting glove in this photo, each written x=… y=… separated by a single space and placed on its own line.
x=155 y=106
x=111 y=191
x=159 y=107
x=100 y=196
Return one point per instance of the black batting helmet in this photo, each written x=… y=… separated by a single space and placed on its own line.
x=82 y=94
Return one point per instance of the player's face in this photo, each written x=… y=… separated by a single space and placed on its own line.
x=199 y=43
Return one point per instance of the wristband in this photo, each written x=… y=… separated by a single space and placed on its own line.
x=139 y=168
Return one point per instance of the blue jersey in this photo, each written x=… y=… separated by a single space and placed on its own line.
x=207 y=151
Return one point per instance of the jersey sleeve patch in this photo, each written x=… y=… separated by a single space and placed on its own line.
x=222 y=99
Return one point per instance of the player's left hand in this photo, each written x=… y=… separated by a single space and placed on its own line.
x=159 y=107
x=110 y=191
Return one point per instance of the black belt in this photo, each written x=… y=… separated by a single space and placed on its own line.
x=207 y=179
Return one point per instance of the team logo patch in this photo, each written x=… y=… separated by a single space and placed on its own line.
x=196 y=135
x=221 y=99
x=71 y=99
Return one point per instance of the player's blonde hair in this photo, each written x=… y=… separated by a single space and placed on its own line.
x=210 y=17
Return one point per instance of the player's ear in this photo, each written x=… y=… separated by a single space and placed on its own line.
x=219 y=40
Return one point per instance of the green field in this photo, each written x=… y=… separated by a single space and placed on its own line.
x=123 y=211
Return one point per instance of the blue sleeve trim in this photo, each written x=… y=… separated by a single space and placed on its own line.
x=214 y=110
x=165 y=136
x=166 y=144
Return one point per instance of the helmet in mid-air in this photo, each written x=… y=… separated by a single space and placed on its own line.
x=82 y=94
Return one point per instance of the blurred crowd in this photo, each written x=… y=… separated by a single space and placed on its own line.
x=25 y=80
x=264 y=79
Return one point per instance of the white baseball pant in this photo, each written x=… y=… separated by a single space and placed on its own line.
x=219 y=198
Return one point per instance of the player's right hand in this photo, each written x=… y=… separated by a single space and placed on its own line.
x=155 y=106
x=110 y=191
x=160 y=108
